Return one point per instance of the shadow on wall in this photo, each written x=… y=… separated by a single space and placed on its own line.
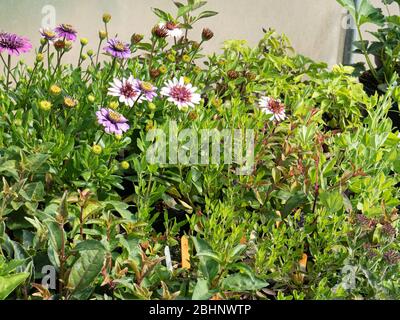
x=314 y=26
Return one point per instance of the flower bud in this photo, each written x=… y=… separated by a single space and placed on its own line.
x=59 y=45
x=90 y=53
x=84 y=41
x=39 y=57
x=55 y=90
x=154 y=73
x=159 y=32
x=91 y=98
x=45 y=105
x=232 y=74
x=70 y=102
x=152 y=106
x=136 y=38
x=163 y=69
x=103 y=34
x=193 y=115
x=186 y=58
x=96 y=149
x=171 y=57
x=124 y=165
x=113 y=105
x=207 y=34
x=106 y=18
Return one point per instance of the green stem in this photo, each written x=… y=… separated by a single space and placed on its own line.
x=8 y=71
x=364 y=50
x=98 y=51
x=80 y=57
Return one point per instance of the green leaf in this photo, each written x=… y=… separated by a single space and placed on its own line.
x=201 y=291
x=333 y=201
x=9 y=283
x=293 y=202
x=242 y=282
x=84 y=272
x=206 y=14
x=364 y=12
x=208 y=266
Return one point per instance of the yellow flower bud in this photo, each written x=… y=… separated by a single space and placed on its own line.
x=113 y=105
x=55 y=90
x=106 y=18
x=102 y=34
x=171 y=57
x=125 y=165
x=163 y=69
x=45 y=105
x=84 y=41
x=152 y=106
x=96 y=149
x=186 y=58
x=39 y=57
x=91 y=98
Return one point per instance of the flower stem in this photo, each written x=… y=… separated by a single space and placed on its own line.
x=8 y=71
x=364 y=50
x=98 y=51
x=101 y=136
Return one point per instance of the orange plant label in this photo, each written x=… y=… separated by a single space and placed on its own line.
x=185 y=252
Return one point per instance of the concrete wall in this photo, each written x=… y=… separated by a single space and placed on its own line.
x=314 y=26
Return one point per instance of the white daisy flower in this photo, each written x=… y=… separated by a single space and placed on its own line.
x=126 y=90
x=181 y=94
x=273 y=107
x=173 y=31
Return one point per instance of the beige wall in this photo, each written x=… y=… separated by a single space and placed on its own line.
x=314 y=26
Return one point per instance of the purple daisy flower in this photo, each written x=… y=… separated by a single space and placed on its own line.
x=14 y=44
x=66 y=31
x=146 y=89
x=48 y=34
x=113 y=122
x=118 y=49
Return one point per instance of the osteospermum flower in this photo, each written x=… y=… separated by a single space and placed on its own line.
x=14 y=44
x=66 y=31
x=173 y=30
x=48 y=34
x=180 y=93
x=112 y=121
x=118 y=49
x=146 y=90
x=126 y=90
x=273 y=107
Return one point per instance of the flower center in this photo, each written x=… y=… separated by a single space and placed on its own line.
x=181 y=93
x=119 y=46
x=68 y=27
x=49 y=34
x=69 y=102
x=170 y=26
x=11 y=41
x=276 y=106
x=128 y=90
x=114 y=116
x=146 y=86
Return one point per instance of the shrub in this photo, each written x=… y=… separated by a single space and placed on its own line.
x=314 y=217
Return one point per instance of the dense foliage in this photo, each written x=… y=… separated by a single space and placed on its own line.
x=315 y=219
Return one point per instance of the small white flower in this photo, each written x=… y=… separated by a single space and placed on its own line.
x=181 y=94
x=273 y=107
x=173 y=31
x=126 y=90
